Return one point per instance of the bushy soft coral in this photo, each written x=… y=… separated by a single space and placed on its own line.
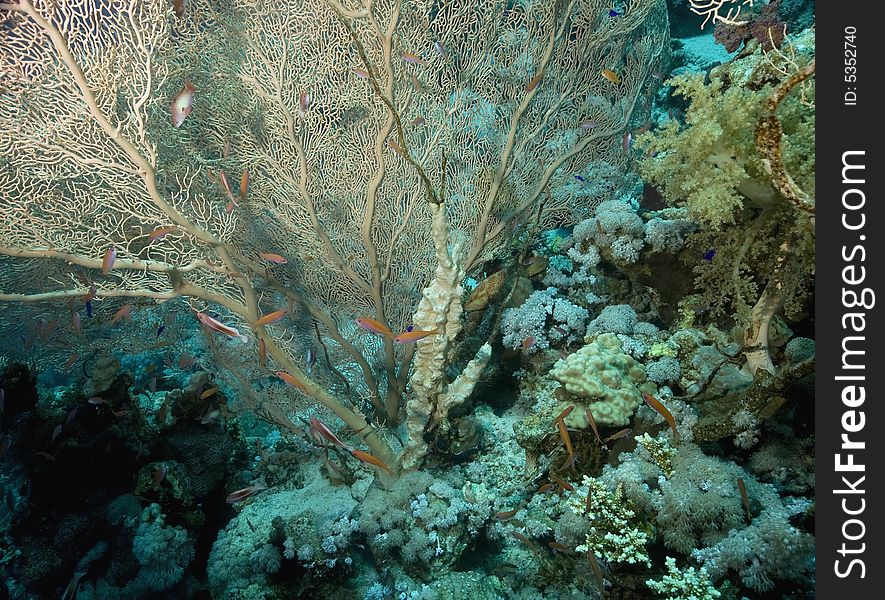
x=710 y=163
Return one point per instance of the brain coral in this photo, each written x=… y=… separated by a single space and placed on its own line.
x=601 y=372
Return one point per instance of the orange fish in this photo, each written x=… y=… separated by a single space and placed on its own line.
x=407 y=337
x=244 y=185
x=107 y=262
x=418 y=121
x=244 y=493
x=533 y=82
x=319 y=430
x=592 y=422
x=611 y=76
x=396 y=148
x=557 y=547
x=361 y=73
x=368 y=458
x=563 y=434
x=662 y=410
x=122 y=313
x=208 y=393
x=563 y=483
x=416 y=84
x=525 y=541
x=225 y=184
x=565 y=412
x=617 y=435
x=277 y=259
x=374 y=326
x=272 y=317
x=220 y=327
x=160 y=232
x=527 y=343
x=413 y=58
x=506 y=515
x=745 y=499
x=291 y=380
x=183 y=104
x=262 y=353
x=75 y=322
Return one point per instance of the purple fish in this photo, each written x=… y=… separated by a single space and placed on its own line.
x=160 y=330
x=579 y=178
x=708 y=256
x=409 y=328
x=89 y=308
x=615 y=13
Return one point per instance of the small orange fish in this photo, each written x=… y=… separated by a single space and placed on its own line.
x=186 y=361
x=533 y=82
x=225 y=151
x=75 y=322
x=527 y=343
x=122 y=313
x=319 y=430
x=178 y=6
x=407 y=337
x=361 y=73
x=617 y=435
x=413 y=58
x=506 y=515
x=745 y=499
x=417 y=121
x=183 y=104
x=291 y=380
x=563 y=483
x=416 y=84
x=374 y=326
x=565 y=412
x=160 y=232
x=592 y=422
x=563 y=434
x=244 y=185
x=662 y=410
x=220 y=327
x=277 y=259
x=557 y=547
x=208 y=393
x=108 y=260
x=262 y=353
x=611 y=76
x=225 y=184
x=240 y=495
x=368 y=458
x=396 y=148
x=546 y=488
x=525 y=541
x=272 y=317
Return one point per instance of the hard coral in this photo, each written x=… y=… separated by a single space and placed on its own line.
x=602 y=373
